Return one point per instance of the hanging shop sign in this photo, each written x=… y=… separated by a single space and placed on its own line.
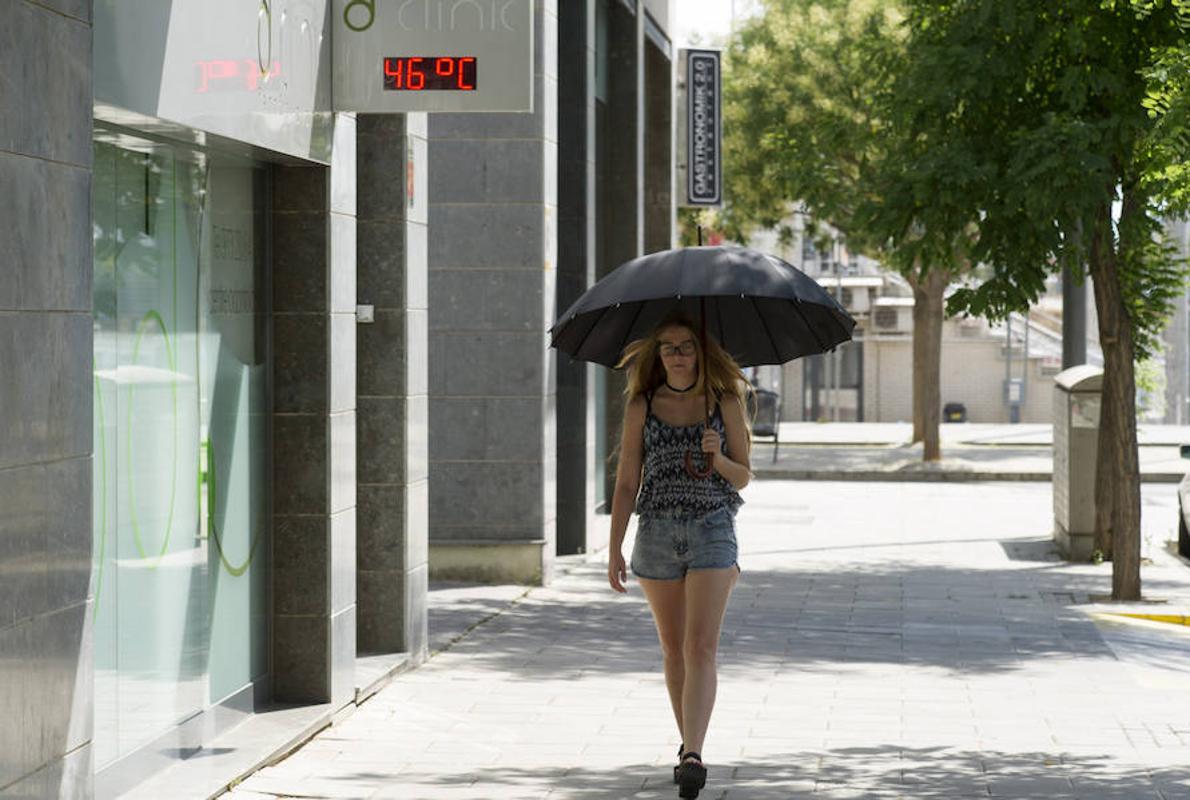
x=252 y=72
x=700 y=168
x=401 y=56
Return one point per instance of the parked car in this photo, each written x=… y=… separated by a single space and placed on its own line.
x=1184 y=509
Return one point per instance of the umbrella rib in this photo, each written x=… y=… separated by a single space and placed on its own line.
x=798 y=307
x=587 y=335
x=847 y=331
x=627 y=333
x=842 y=327
x=767 y=332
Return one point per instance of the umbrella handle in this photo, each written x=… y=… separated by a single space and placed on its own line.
x=695 y=472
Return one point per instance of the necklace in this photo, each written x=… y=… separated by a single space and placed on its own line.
x=680 y=391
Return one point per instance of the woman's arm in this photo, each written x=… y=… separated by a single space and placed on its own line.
x=627 y=487
x=736 y=465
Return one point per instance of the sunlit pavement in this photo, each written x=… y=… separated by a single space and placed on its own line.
x=885 y=640
x=879 y=451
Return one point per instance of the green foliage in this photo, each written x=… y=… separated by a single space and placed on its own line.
x=1167 y=104
x=1150 y=389
x=801 y=122
x=1053 y=125
x=1152 y=278
x=1012 y=134
x=689 y=220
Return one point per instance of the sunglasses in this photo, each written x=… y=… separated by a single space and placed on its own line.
x=686 y=348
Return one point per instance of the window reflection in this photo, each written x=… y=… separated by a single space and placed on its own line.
x=180 y=436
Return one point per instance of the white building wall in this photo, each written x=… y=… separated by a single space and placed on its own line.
x=792 y=376
x=888 y=380
x=972 y=374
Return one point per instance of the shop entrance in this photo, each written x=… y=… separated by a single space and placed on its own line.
x=181 y=439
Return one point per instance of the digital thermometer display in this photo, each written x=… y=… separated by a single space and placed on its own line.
x=430 y=73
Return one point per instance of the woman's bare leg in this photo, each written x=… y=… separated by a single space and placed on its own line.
x=667 y=600
x=707 y=593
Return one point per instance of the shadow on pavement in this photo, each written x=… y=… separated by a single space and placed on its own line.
x=879 y=771
x=962 y=620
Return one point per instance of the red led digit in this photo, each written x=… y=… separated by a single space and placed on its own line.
x=444 y=66
x=215 y=70
x=462 y=82
x=393 y=68
x=417 y=74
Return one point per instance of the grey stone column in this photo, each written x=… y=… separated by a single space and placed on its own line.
x=46 y=397
x=492 y=267
x=393 y=561
x=623 y=212
x=576 y=270
x=658 y=143
x=314 y=426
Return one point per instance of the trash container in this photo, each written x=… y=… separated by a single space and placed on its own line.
x=954 y=412
x=764 y=409
x=1077 y=394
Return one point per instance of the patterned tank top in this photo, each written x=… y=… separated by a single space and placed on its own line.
x=667 y=489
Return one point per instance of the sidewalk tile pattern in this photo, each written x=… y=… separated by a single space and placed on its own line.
x=914 y=641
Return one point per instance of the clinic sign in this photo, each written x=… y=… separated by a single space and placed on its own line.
x=701 y=91
x=400 y=56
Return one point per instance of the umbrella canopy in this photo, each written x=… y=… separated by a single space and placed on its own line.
x=760 y=309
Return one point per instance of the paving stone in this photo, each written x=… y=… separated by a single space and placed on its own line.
x=927 y=658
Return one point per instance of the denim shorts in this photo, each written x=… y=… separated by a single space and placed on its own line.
x=666 y=548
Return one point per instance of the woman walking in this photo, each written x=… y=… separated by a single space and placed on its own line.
x=685 y=550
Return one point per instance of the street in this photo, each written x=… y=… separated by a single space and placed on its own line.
x=885 y=640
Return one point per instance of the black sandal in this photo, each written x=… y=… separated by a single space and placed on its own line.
x=692 y=775
x=681 y=748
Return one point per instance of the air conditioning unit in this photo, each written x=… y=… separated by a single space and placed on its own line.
x=886 y=318
x=854 y=300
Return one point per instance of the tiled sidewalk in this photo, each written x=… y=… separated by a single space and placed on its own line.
x=916 y=641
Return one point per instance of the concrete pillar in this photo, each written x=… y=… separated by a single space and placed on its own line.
x=492 y=267
x=314 y=426
x=393 y=568
x=658 y=143
x=1074 y=320
x=576 y=271
x=622 y=210
x=46 y=400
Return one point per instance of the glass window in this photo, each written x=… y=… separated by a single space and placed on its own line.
x=181 y=435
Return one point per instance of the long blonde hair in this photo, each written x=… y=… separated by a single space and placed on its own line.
x=717 y=371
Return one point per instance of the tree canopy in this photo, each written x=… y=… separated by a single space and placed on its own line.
x=1054 y=135
x=1037 y=117
x=801 y=118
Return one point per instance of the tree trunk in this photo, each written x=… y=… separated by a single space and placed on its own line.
x=928 y=296
x=919 y=340
x=1105 y=477
x=1117 y=473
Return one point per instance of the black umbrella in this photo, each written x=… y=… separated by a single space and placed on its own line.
x=760 y=309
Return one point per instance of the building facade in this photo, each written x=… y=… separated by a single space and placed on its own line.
x=995 y=372
x=1176 y=338
x=265 y=368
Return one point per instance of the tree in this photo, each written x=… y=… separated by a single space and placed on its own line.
x=1070 y=121
x=804 y=125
